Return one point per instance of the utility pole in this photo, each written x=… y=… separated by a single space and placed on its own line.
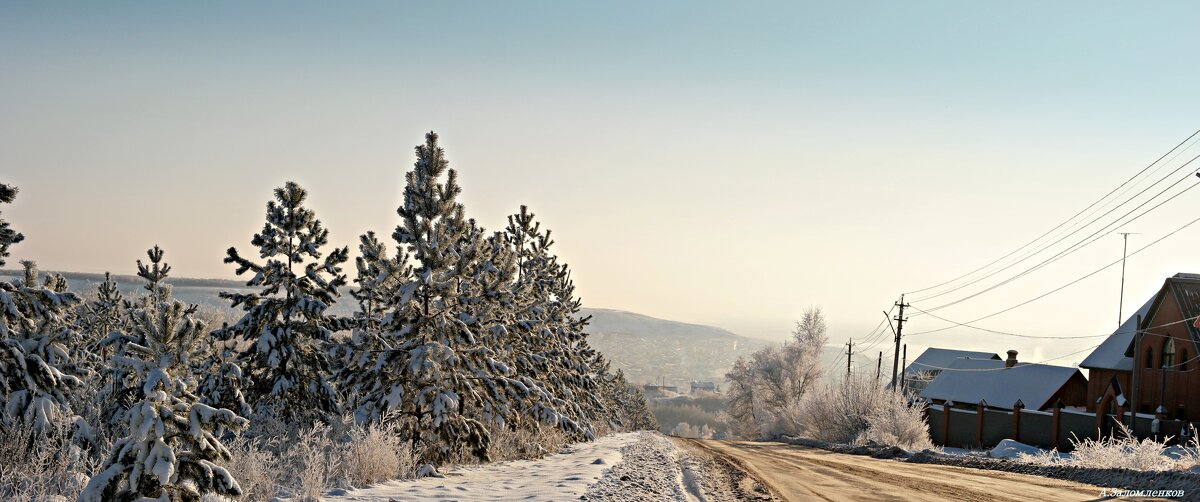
x=878 y=365
x=899 y=329
x=1134 y=396
x=849 y=356
x=1124 y=253
x=903 y=367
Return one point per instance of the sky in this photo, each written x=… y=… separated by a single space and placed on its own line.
x=720 y=163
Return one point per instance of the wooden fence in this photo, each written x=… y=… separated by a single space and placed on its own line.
x=981 y=426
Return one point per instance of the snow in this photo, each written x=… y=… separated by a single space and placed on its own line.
x=1009 y=448
x=563 y=476
x=934 y=359
x=973 y=380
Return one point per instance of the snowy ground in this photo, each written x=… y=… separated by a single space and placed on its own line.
x=562 y=476
x=620 y=467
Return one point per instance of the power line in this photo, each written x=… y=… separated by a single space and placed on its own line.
x=1006 y=333
x=1068 y=220
x=1077 y=246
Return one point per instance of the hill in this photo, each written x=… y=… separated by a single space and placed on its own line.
x=649 y=349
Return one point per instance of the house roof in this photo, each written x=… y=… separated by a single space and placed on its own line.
x=975 y=380
x=1110 y=355
x=934 y=359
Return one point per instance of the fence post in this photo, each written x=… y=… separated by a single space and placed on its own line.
x=1017 y=420
x=1058 y=406
x=946 y=422
x=979 y=422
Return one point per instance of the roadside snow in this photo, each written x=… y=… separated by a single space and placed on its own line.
x=1009 y=448
x=562 y=476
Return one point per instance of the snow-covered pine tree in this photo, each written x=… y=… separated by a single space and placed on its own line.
x=551 y=343
x=221 y=378
x=154 y=274
x=8 y=236
x=171 y=452
x=379 y=277
x=431 y=374
x=287 y=366
x=37 y=372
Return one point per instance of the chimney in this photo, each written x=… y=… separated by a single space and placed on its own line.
x=1012 y=359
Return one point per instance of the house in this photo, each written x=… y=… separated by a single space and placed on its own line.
x=1109 y=369
x=1000 y=384
x=652 y=390
x=709 y=387
x=1161 y=356
x=927 y=366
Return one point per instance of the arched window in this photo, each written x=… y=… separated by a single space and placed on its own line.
x=1183 y=360
x=1149 y=357
x=1168 y=353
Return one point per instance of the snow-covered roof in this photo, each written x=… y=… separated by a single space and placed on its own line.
x=973 y=380
x=934 y=359
x=1110 y=355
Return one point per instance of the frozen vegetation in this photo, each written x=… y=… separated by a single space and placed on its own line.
x=466 y=347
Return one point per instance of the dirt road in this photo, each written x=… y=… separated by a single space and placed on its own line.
x=800 y=473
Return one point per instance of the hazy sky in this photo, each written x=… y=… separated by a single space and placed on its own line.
x=728 y=163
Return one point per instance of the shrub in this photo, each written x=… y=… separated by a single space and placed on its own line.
x=375 y=453
x=858 y=410
x=256 y=467
x=42 y=465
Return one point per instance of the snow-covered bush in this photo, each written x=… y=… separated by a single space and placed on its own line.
x=256 y=466
x=896 y=423
x=857 y=410
x=313 y=462
x=42 y=464
x=373 y=453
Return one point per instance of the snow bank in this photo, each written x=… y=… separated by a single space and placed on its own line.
x=1009 y=448
x=562 y=476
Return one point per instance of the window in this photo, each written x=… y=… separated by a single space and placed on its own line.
x=1183 y=360
x=1168 y=354
x=1149 y=357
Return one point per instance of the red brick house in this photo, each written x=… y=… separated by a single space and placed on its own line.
x=1159 y=369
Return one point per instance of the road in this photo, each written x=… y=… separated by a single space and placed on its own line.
x=799 y=473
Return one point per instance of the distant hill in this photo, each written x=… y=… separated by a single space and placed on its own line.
x=647 y=348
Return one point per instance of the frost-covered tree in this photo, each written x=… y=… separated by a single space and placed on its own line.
x=765 y=389
x=171 y=452
x=154 y=274
x=287 y=364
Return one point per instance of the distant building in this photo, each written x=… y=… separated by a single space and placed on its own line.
x=652 y=390
x=1000 y=384
x=698 y=387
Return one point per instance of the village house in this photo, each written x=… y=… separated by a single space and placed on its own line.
x=1000 y=384
x=929 y=364
x=702 y=387
x=1156 y=372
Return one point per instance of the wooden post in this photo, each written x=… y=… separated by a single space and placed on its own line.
x=946 y=422
x=1135 y=384
x=1017 y=420
x=979 y=422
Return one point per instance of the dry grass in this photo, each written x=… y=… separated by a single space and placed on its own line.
x=1123 y=451
x=42 y=467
